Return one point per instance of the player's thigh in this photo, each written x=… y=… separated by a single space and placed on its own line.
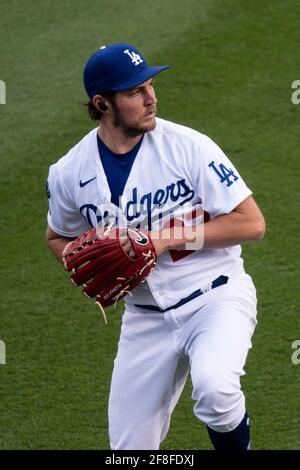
x=226 y=325
x=147 y=371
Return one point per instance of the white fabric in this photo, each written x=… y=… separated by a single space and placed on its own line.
x=172 y=168
x=208 y=337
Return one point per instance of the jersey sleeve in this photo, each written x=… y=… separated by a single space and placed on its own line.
x=222 y=187
x=64 y=218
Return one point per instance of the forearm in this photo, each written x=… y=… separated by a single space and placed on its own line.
x=222 y=232
x=231 y=229
x=56 y=243
x=244 y=224
x=57 y=247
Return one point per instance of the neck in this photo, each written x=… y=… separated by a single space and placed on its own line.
x=116 y=140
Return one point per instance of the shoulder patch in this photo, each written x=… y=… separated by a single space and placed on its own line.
x=225 y=174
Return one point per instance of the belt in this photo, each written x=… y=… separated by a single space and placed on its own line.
x=219 y=281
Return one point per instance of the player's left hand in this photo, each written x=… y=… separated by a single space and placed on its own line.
x=110 y=262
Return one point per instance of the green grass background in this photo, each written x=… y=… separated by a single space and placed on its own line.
x=233 y=63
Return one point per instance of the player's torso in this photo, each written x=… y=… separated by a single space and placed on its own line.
x=161 y=181
x=165 y=178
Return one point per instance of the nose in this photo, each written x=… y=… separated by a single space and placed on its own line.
x=150 y=97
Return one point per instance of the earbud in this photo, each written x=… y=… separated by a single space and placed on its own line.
x=102 y=106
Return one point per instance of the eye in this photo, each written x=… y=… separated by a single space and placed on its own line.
x=134 y=92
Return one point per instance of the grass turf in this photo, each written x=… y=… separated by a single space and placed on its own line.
x=232 y=67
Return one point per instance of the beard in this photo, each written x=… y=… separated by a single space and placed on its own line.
x=130 y=130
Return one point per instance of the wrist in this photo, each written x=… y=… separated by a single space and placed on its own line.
x=160 y=242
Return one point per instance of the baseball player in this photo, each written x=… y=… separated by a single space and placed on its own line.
x=196 y=313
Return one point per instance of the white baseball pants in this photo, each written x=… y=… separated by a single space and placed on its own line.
x=209 y=337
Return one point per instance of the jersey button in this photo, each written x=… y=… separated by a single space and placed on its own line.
x=161 y=292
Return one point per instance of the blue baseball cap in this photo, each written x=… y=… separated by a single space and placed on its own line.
x=116 y=67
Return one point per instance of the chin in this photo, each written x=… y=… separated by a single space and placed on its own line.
x=151 y=126
x=142 y=129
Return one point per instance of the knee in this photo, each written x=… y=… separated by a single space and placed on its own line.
x=217 y=394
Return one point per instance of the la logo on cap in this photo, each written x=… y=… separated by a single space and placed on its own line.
x=135 y=58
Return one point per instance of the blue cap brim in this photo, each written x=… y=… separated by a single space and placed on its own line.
x=140 y=77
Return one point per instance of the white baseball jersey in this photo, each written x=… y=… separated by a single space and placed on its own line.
x=175 y=167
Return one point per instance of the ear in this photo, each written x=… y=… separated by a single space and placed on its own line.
x=100 y=103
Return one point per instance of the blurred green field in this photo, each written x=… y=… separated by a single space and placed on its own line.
x=233 y=63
